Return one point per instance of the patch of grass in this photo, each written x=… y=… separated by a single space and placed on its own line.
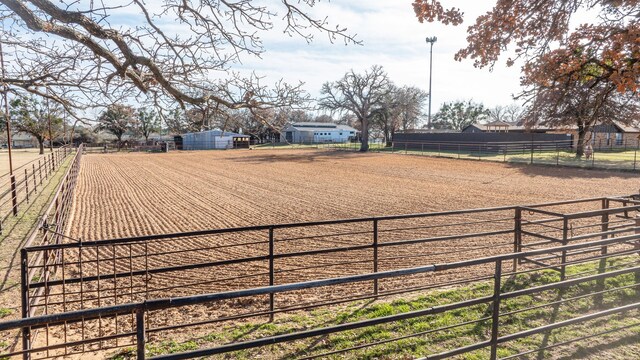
x=443 y=331
x=171 y=347
x=5 y=312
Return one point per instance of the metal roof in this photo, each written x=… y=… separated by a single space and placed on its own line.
x=219 y=133
x=326 y=127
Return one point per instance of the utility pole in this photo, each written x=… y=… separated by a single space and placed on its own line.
x=430 y=41
x=49 y=123
x=5 y=90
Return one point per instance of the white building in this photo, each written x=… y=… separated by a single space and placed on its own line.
x=313 y=132
x=213 y=139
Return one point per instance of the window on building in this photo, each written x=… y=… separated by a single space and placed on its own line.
x=618 y=138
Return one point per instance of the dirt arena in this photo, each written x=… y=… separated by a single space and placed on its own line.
x=122 y=195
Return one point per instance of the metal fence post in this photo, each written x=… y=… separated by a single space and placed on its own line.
x=26 y=184
x=33 y=174
x=504 y=153
x=557 y=155
x=140 y=333
x=422 y=152
x=458 y=151
x=14 y=196
x=24 y=289
x=271 y=273
x=439 y=149
x=479 y=151
x=604 y=227
x=40 y=171
x=517 y=237
x=637 y=246
x=531 y=153
x=635 y=157
x=405 y=148
x=375 y=255
x=565 y=241
x=495 y=312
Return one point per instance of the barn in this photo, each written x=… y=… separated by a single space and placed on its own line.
x=315 y=132
x=213 y=139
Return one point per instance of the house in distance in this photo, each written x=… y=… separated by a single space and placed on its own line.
x=316 y=132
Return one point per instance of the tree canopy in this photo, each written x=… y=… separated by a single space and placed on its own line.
x=457 y=115
x=117 y=119
x=83 y=53
x=41 y=120
x=540 y=33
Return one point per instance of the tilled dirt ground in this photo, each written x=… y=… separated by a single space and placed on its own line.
x=123 y=195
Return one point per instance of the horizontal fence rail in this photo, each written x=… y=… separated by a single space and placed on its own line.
x=19 y=189
x=64 y=277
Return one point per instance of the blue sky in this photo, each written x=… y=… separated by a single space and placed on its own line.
x=392 y=37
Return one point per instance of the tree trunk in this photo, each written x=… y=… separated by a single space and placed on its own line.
x=580 y=146
x=41 y=144
x=364 y=144
x=387 y=135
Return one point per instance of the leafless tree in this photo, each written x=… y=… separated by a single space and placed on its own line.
x=510 y=114
x=359 y=94
x=324 y=118
x=86 y=54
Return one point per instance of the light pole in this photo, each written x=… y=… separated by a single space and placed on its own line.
x=430 y=41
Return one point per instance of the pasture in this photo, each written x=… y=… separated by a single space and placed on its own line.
x=20 y=158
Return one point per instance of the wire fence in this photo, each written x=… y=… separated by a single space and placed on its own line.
x=98 y=295
x=558 y=153
x=20 y=188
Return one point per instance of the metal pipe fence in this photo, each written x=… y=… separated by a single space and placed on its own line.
x=66 y=277
x=19 y=189
x=557 y=153
x=138 y=330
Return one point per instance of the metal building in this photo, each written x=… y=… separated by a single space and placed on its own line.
x=214 y=139
x=314 y=132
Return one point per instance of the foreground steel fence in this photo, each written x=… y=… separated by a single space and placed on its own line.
x=19 y=189
x=97 y=295
x=139 y=329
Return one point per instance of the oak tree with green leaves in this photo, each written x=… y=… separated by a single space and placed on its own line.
x=33 y=116
x=457 y=115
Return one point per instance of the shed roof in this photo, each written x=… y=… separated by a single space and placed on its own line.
x=219 y=133
x=309 y=126
x=631 y=128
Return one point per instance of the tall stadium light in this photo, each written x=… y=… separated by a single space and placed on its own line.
x=430 y=41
